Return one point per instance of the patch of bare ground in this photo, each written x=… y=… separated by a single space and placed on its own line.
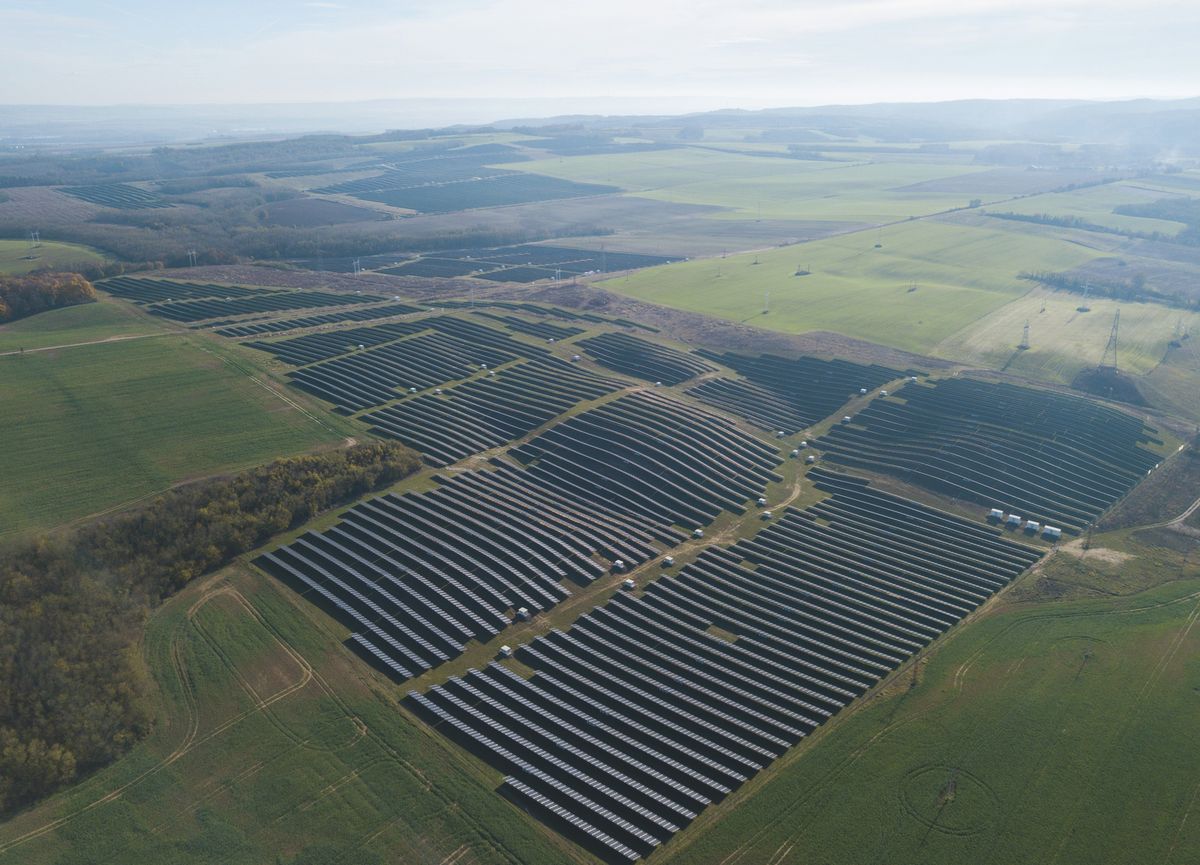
x=1095 y=554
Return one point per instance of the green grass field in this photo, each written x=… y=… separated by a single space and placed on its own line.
x=87 y=322
x=1053 y=727
x=1063 y=340
x=1096 y=203
x=16 y=257
x=89 y=428
x=1051 y=731
x=770 y=188
x=274 y=743
x=961 y=273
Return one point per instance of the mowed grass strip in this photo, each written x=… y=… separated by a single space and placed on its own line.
x=86 y=429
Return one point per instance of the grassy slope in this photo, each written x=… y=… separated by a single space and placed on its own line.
x=962 y=273
x=1063 y=340
x=1096 y=203
x=769 y=188
x=273 y=738
x=92 y=427
x=1048 y=731
x=73 y=324
x=50 y=254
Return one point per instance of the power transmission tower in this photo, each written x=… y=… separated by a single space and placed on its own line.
x=358 y=266
x=192 y=258
x=767 y=302
x=1024 y=337
x=1111 y=348
x=1087 y=293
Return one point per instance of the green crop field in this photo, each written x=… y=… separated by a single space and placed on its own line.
x=1049 y=731
x=87 y=322
x=770 y=188
x=961 y=273
x=91 y=427
x=1095 y=204
x=1063 y=340
x=274 y=745
x=16 y=257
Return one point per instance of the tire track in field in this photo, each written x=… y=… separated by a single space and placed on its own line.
x=960 y=676
x=1160 y=667
x=186 y=745
x=259 y=702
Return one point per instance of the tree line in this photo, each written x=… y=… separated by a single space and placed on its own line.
x=73 y=693
x=22 y=296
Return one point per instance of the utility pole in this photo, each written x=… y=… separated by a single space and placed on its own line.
x=1111 y=348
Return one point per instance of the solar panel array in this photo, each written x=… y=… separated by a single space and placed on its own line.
x=312 y=347
x=1044 y=455
x=417 y=575
x=653 y=457
x=788 y=394
x=646 y=360
x=192 y=301
x=639 y=716
x=278 y=326
x=489 y=411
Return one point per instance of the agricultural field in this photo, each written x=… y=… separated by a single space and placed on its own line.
x=705 y=592
x=1018 y=740
x=96 y=426
x=911 y=285
x=18 y=257
x=1096 y=204
x=87 y=322
x=762 y=188
x=274 y=744
x=1063 y=340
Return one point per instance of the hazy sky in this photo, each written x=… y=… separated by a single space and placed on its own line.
x=670 y=53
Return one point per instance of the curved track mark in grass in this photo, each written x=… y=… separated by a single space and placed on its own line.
x=186 y=745
x=1151 y=682
x=261 y=704
x=959 y=680
x=368 y=677
x=958 y=778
